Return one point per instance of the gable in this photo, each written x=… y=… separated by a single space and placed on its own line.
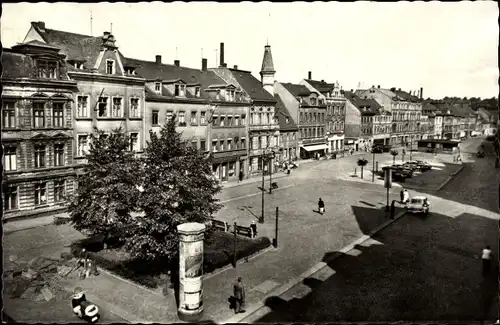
x=110 y=55
x=33 y=36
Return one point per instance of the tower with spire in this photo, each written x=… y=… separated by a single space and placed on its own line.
x=267 y=72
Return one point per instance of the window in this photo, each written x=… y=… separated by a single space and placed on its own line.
x=39 y=156
x=203 y=145
x=313 y=101
x=222 y=120
x=197 y=91
x=180 y=90
x=57 y=114
x=194 y=120
x=214 y=145
x=134 y=107
x=237 y=120
x=169 y=116
x=9 y=114
x=177 y=90
x=243 y=119
x=155 y=118
x=203 y=118
x=82 y=107
x=59 y=190
x=182 y=120
x=230 y=144
x=158 y=87
x=134 y=142
x=117 y=107
x=230 y=95
x=230 y=121
x=10 y=158
x=194 y=143
x=40 y=193
x=47 y=69
x=83 y=142
x=243 y=143
x=58 y=154
x=110 y=66
x=38 y=115
x=103 y=107
x=10 y=197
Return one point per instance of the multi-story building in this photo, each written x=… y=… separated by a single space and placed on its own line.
x=210 y=114
x=488 y=120
x=306 y=108
x=366 y=124
x=405 y=108
x=288 y=138
x=37 y=122
x=429 y=122
x=110 y=94
x=263 y=126
x=331 y=94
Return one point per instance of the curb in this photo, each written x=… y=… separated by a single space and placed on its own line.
x=252 y=180
x=240 y=318
x=450 y=178
x=254 y=194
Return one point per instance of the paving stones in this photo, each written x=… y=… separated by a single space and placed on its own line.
x=266 y=286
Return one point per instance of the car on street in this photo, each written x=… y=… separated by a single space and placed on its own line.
x=423 y=165
x=377 y=149
x=398 y=174
x=411 y=165
x=418 y=204
x=405 y=170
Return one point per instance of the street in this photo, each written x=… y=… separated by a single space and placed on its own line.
x=415 y=269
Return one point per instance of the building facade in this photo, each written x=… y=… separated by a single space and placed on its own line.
x=288 y=138
x=37 y=122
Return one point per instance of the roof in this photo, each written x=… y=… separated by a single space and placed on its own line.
x=74 y=46
x=267 y=61
x=159 y=71
x=405 y=95
x=296 y=89
x=371 y=105
x=251 y=85
x=459 y=110
x=17 y=65
x=282 y=113
x=321 y=86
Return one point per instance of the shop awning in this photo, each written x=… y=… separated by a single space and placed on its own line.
x=315 y=147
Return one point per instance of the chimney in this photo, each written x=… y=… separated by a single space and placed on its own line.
x=352 y=90
x=158 y=59
x=309 y=75
x=235 y=67
x=41 y=25
x=421 y=92
x=322 y=81
x=399 y=89
x=107 y=33
x=177 y=63
x=222 y=54
x=378 y=86
x=224 y=65
x=204 y=64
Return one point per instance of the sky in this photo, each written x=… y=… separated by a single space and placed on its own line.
x=448 y=48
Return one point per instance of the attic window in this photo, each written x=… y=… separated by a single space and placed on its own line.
x=130 y=70
x=197 y=91
x=313 y=101
x=230 y=95
x=47 y=69
x=78 y=65
x=157 y=87
x=110 y=66
x=180 y=90
x=287 y=120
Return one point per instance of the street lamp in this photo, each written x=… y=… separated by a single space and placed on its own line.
x=373 y=168
x=264 y=156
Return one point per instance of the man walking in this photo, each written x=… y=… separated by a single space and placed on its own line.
x=402 y=195
x=321 y=206
x=486 y=257
x=239 y=296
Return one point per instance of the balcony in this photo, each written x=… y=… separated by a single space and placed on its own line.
x=259 y=127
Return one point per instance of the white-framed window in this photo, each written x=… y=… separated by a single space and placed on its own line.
x=214 y=145
x=203 y=118
x=110 y=66
x=155 y=118
x=78 y=65
x=83 y=144
x=47 y=69
x=59 y=190
x=203 y=145
x=57 y=114
x=39 y=155
x=182 y=118
x=158 y=87
x=103 y=107
x=10 y=158
x=134 y=107
x=169 y=115
x=194 y=119
x=243 y=143
x=82 y=106
x=8 y=114
x=243 y=119
x=229 y=144
x=38 y=114
x=230 y=95
x=180 y=90
x=11 y=197
x=40 y=193
x=134 y=141
x=117 y=110
x=236 y=120
x=59 y=154
x=197 y=91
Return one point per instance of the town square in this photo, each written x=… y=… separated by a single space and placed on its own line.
x=227 y=182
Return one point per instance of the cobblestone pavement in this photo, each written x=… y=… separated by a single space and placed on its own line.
x=418 y=268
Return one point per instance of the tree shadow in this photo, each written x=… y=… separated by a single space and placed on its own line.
x=405 y=273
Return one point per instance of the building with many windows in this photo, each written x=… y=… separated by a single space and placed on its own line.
x=37 y=122
x=335 y=101
x=288 y=138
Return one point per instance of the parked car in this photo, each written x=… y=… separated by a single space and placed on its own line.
x=377 y=149
x=406 y=171
x=398 y=174
x=418 y=204
x=423 y=165
x=411 y=165
x=386 y=148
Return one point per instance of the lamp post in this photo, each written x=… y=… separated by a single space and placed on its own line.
x=264 y=157
x=270 y=160
x=411 y=147
x=373 y=168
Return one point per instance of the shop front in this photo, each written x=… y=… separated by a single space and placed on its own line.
x=229 y=166
x=313 y=150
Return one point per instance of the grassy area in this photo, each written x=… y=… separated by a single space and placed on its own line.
x=218 y=252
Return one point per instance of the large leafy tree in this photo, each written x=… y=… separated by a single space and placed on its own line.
x=178 y=188
x=107 y=193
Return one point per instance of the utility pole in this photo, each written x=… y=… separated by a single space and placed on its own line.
x=271 y=176
x=276 y=229
x=373 y=168
x=234 y=246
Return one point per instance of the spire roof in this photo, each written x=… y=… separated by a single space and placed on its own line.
x=267 y=62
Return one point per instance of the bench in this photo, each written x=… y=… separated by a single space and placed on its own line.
x=242 y=230
x=222 y=225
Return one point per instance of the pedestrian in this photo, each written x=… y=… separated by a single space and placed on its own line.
x=253 y=226
x=402 y=195
x=406 y=196
x=321 y=206
x=239 y=296
x=486 y=257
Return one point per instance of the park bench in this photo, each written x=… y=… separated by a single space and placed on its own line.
x=222 y=225
x=242 y=230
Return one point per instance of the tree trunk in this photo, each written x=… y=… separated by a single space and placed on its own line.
x=393 y=160
x=361 y=172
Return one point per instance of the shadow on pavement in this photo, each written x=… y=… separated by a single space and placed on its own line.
x=422 y=269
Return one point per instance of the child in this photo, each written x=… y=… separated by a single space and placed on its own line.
x=321 y=206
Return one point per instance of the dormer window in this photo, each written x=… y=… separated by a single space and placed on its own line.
x=217 y=96
x=300 y=100
x=287 y=120
x=47 y=69
x=78 y=65
x=197 y=91
x=158 y=87
x=230 y=95
x=180 y=90
x=313 y=101
x=130 y=71
x=110 y=67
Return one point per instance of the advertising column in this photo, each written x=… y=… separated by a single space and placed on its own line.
x=191 y=271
